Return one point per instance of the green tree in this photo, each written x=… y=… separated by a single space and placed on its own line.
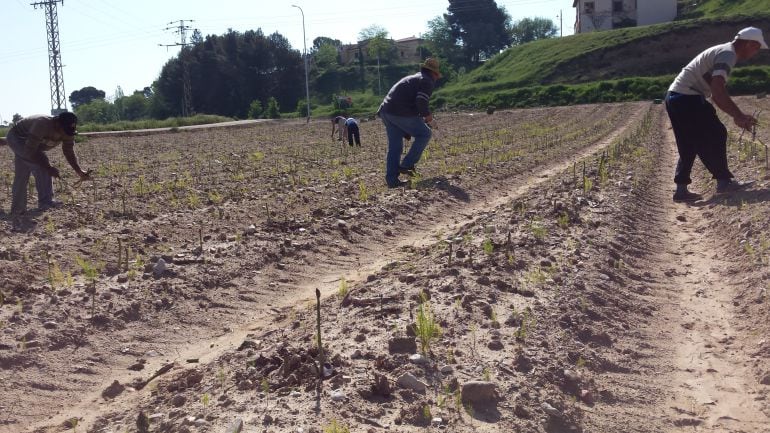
x=133 y=107
x=302 y=108
x=326 y=56
x=441 y=43
x=378 y=46
x=96 y=111
x=85 y=95
x=323 y=40
x=532 y=29
x=228 y=72
x=273 y=110
x=196 y=38
x=482 y=26
x=255 y=109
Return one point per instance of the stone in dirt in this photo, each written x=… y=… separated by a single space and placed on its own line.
x=765 y=379
x=159 y=268
x=478 y=391
x=235 y=427
x=418 y=359
x=409 y=381
x=402 y=345
x=114 y=390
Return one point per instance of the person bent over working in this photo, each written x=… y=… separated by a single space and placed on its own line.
x=694 y=120
x=29 y=139
x=405 y=112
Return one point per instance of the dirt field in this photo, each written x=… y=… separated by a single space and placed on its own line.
x=536 y=277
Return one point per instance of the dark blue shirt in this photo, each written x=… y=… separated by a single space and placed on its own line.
x=410 y=96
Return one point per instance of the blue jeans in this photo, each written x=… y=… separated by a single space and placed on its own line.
x=23 y=167
x=395 y=128
x=354 y=132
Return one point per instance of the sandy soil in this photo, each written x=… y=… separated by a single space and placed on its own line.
x=568 y=298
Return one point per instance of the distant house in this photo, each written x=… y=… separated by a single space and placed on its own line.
x=593 y=15
x=407 y=51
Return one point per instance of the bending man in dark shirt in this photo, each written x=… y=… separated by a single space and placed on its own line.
x=29 y=140
x=405 y=112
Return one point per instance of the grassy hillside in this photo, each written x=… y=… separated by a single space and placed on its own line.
x=653 y=52
x=721 y=8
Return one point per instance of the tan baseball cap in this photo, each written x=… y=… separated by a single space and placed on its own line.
x=752 y=34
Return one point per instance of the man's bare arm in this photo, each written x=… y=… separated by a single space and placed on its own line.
x=725 y=103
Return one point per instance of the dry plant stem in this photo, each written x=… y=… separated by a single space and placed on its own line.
x=318 y=334
x=200 y=240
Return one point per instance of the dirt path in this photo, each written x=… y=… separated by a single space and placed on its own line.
x=325 y=276
x=714 y=388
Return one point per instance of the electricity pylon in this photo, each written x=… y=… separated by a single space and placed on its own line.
x=58 y=97
x=182 y=29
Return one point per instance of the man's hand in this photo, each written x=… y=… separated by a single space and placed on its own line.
x=52 y=171
x=429 y=119
x=745 y=121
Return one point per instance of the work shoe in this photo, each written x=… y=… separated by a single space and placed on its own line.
x=409 y=171
x=732 y=185
x=685 y=196
x=52 y=205
x=399 y=184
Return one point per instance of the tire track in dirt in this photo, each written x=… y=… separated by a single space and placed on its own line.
x=713 y=386
x=366 y=260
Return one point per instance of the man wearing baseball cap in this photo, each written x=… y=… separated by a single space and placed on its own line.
x=694 y=120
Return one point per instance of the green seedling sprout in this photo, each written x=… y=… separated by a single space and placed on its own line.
x=91 y=272
x=335 y=427
x=343 y=289
x=265 y=386
x=427 y=328
x=488 y=246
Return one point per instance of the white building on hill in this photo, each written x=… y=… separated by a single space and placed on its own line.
x=593 y=15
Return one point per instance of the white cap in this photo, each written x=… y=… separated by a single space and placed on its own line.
x=751 y=34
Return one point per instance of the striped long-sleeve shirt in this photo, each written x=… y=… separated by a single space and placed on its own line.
x=410 y=96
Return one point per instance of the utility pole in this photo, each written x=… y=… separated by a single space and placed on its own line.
x=304 y=54
x=182 y=29
x=58 y=97
x=561 y=23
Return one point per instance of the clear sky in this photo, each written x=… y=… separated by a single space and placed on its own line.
x=111 y=43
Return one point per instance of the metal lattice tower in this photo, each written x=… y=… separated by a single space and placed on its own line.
x=187 y=108
x=58 y=97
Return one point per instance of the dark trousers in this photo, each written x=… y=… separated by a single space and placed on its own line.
x=354 y=133
x=698 y=132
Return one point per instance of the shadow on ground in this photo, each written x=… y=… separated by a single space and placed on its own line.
x=442 y=183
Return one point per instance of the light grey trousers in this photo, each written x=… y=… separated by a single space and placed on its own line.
x=23 y=167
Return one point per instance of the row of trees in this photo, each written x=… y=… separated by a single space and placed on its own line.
x=251 y=74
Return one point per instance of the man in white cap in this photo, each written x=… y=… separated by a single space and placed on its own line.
x=694 y=120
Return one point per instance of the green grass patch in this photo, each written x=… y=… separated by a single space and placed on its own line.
x=721 y=8
x=172 y=122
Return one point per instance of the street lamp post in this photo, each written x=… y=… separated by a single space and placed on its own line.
x=304 y=54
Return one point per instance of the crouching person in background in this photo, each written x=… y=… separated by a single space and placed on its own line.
x=29 y=139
